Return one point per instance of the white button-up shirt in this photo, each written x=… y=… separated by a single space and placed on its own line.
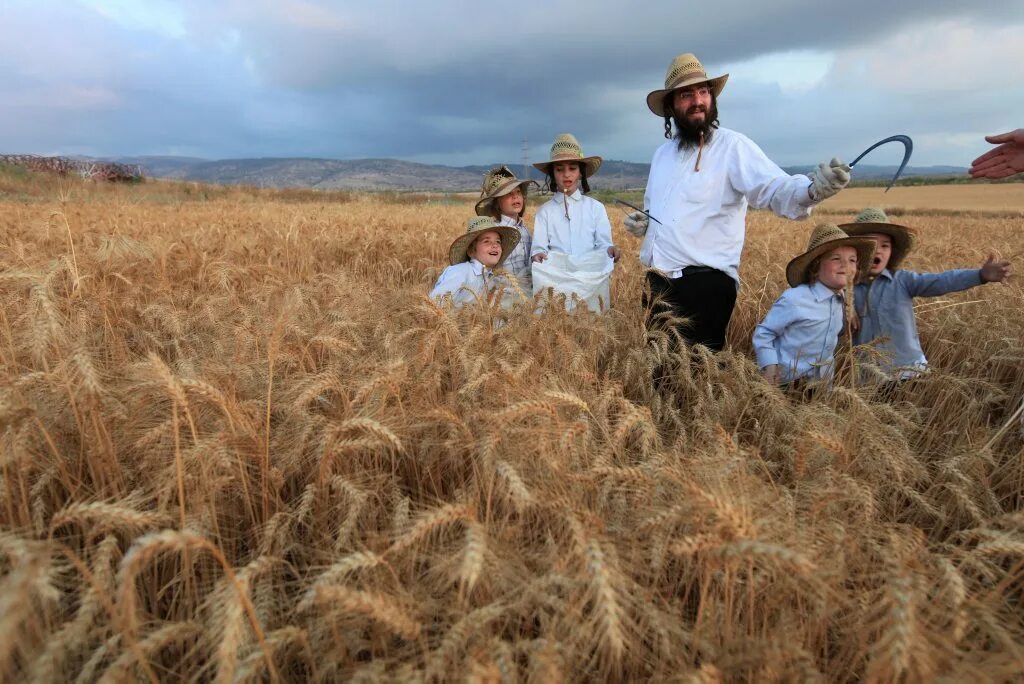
x=703 y=213
x=800 y=332
x=586 y=229
x=466 y=282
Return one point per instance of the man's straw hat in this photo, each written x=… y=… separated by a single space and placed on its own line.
x=873 y=220
x=685 y=70
x=475 y=227
x=498 y=182
x=825 y=238
x=565 y=148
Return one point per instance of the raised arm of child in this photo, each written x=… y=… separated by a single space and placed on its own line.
x=956 y=280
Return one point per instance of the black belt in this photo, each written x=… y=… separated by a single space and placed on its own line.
x=691 y=270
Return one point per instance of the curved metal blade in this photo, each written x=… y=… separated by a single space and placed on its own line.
x=908 y=145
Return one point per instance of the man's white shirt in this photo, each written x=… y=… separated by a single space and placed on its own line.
x=702 y=213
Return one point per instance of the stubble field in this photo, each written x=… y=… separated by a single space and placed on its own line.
x=239 y=444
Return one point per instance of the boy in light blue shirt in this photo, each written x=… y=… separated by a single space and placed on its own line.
x=796 y=340
x=884 y=300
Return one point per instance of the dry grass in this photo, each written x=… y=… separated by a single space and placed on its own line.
x=238 y=443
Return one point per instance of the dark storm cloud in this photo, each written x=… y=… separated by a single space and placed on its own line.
x=454 y=81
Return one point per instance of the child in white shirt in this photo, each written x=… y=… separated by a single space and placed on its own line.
x=570 y=222
x=474 y=256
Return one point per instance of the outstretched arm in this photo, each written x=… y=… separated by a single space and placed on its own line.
x=957 y=280
x=1003 y=161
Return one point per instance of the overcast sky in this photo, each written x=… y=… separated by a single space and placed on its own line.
x=465 y=82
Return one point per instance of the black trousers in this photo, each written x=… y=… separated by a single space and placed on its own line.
x=705 y=296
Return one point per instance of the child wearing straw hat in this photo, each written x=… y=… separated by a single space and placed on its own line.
x=884 y=300
x=796 y=340
x=474 y=256
x=570 y=222
x=503 y=198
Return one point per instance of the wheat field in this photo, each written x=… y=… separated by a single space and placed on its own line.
x=240 y=444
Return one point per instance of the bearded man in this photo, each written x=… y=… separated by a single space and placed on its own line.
x=700 y=184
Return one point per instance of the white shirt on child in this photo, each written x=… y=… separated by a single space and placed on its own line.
x=466 y=282
x=800 y=333
x=586 y=229
x=703 y=213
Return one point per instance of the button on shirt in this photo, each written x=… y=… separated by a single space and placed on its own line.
x=586 y=229
x=703 y=213
x=800 y=332
x=467 y=282
x=518 y=261
x=886 y=310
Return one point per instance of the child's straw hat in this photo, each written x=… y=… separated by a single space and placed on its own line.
x=685 y=70
x=566 y=149
x=475 y=227
x=498 y=182
x=873 y=220
x=825 y=238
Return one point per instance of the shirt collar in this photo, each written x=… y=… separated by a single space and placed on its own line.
x=576 y=194
x=507 y=220
x=478 y=268
x=821 y=293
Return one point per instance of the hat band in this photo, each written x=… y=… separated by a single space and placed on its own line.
x=690 y=74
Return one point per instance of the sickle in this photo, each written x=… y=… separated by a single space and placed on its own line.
x=908 y=145
x=636 y=208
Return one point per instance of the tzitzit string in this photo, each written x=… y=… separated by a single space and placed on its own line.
x=700 y=150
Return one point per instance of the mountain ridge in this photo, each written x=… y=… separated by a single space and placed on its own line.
x=397 y=174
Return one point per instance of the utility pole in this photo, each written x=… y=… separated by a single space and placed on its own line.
x=526 y=159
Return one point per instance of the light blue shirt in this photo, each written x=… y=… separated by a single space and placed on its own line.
x=585 y=229
x=466 y=282
x=886 y=311
x=800 y=333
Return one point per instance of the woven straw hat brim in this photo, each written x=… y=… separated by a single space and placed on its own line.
x=796 y=269
x=501 y=191
x=459 y=251
x=656 y=98
x=591 y=164
x=902 y=238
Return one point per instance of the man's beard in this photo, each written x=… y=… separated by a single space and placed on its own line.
x=688 y=134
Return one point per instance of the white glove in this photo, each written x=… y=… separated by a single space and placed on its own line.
x=636 y=223
x=828 y=179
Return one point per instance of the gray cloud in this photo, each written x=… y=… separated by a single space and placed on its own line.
x=463 y=83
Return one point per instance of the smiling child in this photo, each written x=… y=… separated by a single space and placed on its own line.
x=473 y=256
x=796 y=340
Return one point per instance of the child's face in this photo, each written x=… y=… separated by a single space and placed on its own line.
x=883 y=251
x=512 y=203
x=837 y=268
x=567 y=174
x=487 y=249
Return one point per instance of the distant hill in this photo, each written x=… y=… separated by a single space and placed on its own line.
x=394 y=174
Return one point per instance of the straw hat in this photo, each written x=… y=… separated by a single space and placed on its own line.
x=873 y=220
x=825 y=238
x=475 y=227
x=566 y=148
x=685 y=70
x=498 y=182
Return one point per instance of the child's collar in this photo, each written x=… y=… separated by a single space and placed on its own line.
x=575 y=194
